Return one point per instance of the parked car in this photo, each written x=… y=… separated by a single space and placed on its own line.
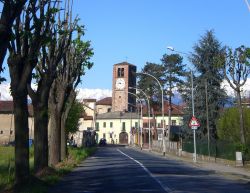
x=102 y=142
x=71 y=143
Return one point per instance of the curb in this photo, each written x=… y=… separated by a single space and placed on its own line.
x=227 y=171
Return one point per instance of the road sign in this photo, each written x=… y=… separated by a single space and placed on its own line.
x=194 y=123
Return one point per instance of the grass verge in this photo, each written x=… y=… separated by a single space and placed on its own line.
x=47 y=177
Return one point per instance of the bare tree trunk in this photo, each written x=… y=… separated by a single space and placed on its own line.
x=63 y=137
x=65 y=114
x=40 y=104
x=21 y=138
x=40 y=136
x=55 y=136
x=56 y=102
x=242 y=131
x=20 y=93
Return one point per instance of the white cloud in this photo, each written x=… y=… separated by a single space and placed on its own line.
x=83 y=93
x=230 y=91
x=5 y=92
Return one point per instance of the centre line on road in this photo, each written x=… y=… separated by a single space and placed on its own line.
x=165 y=188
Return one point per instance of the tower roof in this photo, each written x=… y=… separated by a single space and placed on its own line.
x=124 y=63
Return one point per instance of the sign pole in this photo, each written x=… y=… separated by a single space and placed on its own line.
x=193 y=127
x=195 y=155
x=194 y=124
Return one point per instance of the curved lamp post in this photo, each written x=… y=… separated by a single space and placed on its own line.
x=140 y=141
x=192 y=96
x=149 y=136
x=162 y=109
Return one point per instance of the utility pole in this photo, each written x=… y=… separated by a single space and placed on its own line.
x=193 y=128
x=208 y=129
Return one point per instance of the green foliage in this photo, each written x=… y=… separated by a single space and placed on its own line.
x=148 y=84
x=75 y=113
x=173 y=70
x=173 y=73
x=6 y=166
x=228 y=127
x=205 y=58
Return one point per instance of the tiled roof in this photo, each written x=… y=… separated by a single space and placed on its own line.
x=117 y=115
x=6 y=106
x=105 y=101
x=124 y=63
x=176 y=109
x=88 y=117
x=89 y=100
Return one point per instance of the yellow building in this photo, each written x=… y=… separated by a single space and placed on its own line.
x=118 y=127
x=7 y=125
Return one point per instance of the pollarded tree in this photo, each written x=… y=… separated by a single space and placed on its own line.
x=173 y=76
x=10 y=11
x=210 y=75
x=74 y=64
x=29 y=34
x=57 y=43
x=236 y=72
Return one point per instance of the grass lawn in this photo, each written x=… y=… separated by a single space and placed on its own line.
x=39 y=183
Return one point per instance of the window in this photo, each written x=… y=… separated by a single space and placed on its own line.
x=123 y=126
x=97 y=126
x=11 y=132
x=173 y=122
x=104 y=135
x=120 y=72
x=111 y=124
x=1 y=132
x=104 y=124
x=136 y=124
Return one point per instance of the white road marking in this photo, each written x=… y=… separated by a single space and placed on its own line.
x=164 y=187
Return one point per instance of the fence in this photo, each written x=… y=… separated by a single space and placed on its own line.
x=218 y=149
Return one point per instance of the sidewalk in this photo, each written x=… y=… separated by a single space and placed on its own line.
x=228 y=171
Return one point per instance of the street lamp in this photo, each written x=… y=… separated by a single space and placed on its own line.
x=139 y=116
x=149 y=133
x=162 y=110
x=192 y=96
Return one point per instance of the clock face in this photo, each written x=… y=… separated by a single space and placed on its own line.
x=120 y=83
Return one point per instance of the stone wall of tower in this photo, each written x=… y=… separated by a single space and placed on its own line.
x=120 y=97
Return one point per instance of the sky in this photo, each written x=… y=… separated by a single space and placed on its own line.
x=139 y=31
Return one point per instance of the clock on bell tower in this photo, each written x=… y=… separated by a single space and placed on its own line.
x=124 y=76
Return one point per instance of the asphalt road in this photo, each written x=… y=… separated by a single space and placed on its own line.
x=124 y=170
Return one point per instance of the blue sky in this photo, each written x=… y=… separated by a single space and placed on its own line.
x=139 y=31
